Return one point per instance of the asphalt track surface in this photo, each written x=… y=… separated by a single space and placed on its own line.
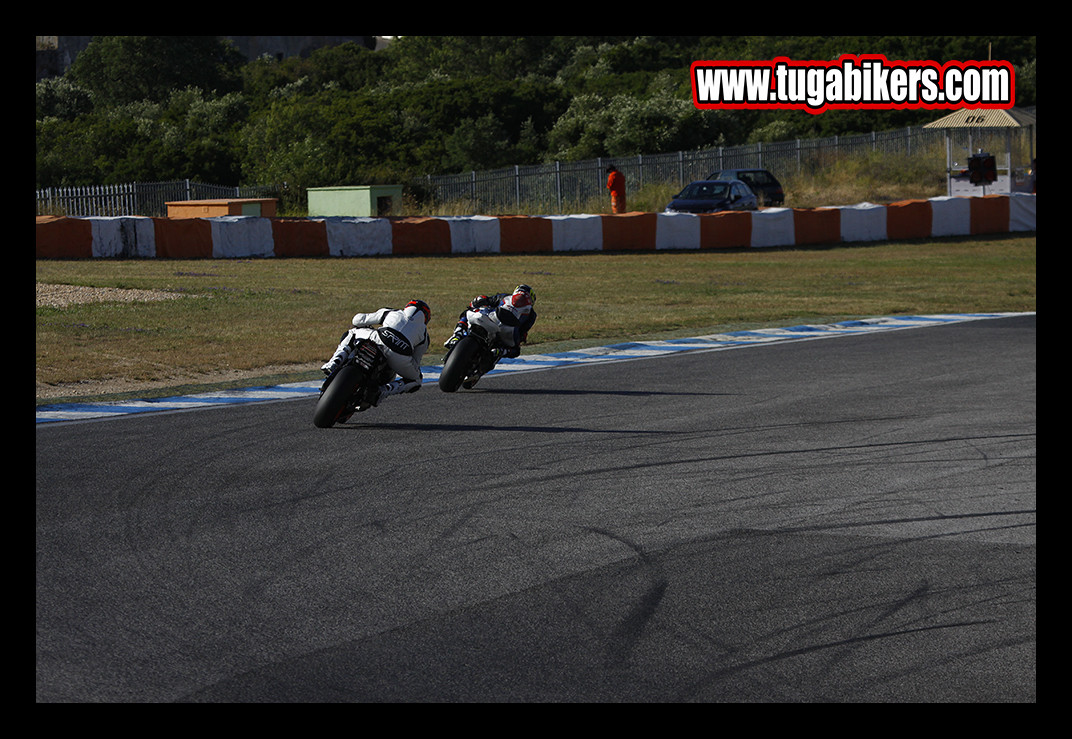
x=823 y=521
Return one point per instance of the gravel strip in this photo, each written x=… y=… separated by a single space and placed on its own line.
x=60 y=296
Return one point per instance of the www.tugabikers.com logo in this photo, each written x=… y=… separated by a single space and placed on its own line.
x=868 y=81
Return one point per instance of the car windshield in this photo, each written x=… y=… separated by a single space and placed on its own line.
x=756 y=178
x=705 y=191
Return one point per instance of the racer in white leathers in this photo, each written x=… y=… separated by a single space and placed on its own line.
x=402 y=335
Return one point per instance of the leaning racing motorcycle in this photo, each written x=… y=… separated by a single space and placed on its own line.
x=474 y=355
x=354 y=384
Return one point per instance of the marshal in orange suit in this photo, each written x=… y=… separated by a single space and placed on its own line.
x=616 y=185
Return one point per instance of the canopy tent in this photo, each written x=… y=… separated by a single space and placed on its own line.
x=980 y=126
x=986 y=118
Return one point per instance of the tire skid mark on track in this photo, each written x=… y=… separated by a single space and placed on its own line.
x=526 y=363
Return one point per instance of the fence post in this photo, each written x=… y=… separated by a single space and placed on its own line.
x=558 y=183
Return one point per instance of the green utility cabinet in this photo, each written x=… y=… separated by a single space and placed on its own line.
x=355 y=200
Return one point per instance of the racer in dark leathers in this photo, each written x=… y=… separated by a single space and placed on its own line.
x=515 y=309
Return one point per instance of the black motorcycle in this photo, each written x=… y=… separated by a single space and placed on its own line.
x=353 y=385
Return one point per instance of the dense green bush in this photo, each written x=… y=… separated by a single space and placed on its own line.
x=152 y=108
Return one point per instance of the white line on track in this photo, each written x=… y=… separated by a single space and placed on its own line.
x=525 y=363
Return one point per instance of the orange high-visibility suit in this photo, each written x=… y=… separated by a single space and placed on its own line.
x=616 y=185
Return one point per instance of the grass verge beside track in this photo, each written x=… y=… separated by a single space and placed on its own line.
x=249 y=322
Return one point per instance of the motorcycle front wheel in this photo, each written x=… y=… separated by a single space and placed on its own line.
x=335 y=400
x=461 y=361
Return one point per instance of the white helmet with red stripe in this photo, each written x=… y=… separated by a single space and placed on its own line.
x=515 y=307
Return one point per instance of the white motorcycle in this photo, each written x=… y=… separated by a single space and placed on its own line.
x=476 y=353
x=353 y=385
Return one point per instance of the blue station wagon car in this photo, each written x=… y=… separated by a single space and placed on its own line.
x=711 y=196
x=765 y=185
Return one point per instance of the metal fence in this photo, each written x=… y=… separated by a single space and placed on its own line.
x=134 y=199
x=557 y=186
x=561 y=185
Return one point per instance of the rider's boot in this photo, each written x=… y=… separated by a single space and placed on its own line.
x=336 y=359
x=329 y=366
x=395 y=387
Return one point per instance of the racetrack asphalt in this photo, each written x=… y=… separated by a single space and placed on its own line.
x=791 y=521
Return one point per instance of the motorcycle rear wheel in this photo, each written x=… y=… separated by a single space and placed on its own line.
x=335 y=400
x=459 y=364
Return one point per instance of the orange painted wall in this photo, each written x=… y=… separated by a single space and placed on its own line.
x=908 y=219
x=64 y=238
x=519 y=234
x=629 y=231
x=420 y=236
x=297 y=237
x=816 y=226
x=183 y=238
x=726 y=230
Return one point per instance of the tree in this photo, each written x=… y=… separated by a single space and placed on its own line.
x=59 y=97
x=626 y=125
x=124 y=69
x=160 y=107
x=478 y=144
x=187 y=135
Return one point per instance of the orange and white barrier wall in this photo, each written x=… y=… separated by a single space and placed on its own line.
x=255 y=236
